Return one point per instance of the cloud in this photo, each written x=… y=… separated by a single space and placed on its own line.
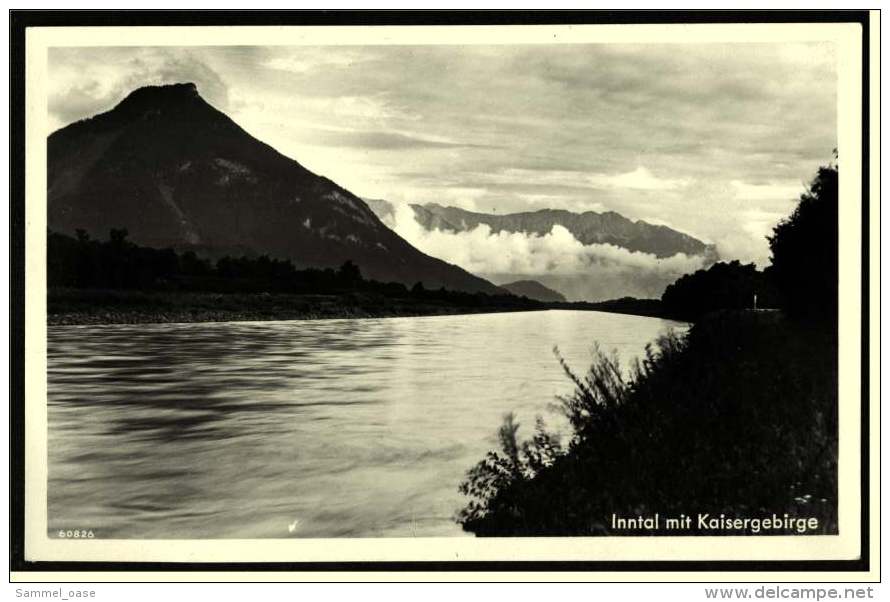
x=759 y=224
x=766 y=192
x=638 y=179
x=87 y=84
x=77 y=101
x=701 y=136
x=380 y=140
x=482 y=251
x=305 y=60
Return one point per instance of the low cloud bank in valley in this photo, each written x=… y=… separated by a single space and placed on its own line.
x=556 y=259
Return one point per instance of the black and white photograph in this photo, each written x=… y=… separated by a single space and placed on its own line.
x=556 y=286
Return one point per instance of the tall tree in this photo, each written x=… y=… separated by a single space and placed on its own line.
x=805 y=252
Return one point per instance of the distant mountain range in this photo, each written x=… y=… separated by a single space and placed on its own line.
x=176 y=172
x=534 y=290
x=588 y=227
x=599 y=280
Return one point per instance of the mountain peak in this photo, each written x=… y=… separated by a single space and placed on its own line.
x=160 y=97
x=165 y=91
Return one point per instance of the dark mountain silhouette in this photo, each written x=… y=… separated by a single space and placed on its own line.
x=534 y=290
x=588 y=227
x=176 y=172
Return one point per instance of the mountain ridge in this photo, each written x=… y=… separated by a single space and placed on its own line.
x=534 y=290
x=588 y=227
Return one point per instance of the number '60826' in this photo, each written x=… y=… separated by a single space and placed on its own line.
x=76 y=534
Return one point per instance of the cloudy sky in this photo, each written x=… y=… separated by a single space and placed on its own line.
x=714 y=140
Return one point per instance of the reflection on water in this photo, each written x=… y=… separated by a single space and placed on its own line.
x=350 y=427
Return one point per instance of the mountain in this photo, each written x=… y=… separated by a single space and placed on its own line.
x=533 y=290
x=589 y=228
x=620 y=257
x=176 y=172
x=430 y=220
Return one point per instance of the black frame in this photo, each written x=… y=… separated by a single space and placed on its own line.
x=20 y=21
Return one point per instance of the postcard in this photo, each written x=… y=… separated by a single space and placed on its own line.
x=516 y=295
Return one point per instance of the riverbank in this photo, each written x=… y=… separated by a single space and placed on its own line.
x=93 y=306
x=738 y=417
x=73 y=306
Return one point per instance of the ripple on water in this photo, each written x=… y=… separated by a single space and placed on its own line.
x=353 y=428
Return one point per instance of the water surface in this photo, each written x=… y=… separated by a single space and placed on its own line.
x=302 y=428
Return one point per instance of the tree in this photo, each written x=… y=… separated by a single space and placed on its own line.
x=804 y=252
x=349 y=274
x=722 y=286
x=117 y=236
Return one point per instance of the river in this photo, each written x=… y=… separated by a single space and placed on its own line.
x=327 y=428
